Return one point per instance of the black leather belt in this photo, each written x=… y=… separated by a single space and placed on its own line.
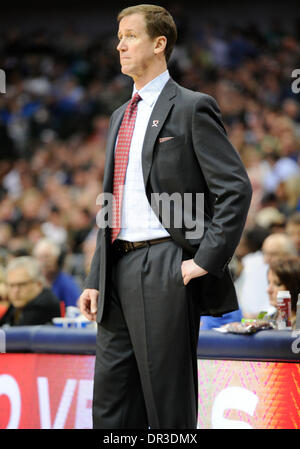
x=123 y=246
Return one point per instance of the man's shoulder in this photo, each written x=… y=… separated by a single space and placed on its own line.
x=183 y=93
x=194 y=97
x=189 y=92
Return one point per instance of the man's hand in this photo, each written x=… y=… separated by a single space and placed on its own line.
x=88 y=303
x=190 y=270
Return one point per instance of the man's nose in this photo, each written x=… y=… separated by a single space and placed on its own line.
x=15 y=291
x=121 y=45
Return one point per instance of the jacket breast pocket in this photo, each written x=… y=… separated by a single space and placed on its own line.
x=168 y=160
x=170 y=141
x=171 y=149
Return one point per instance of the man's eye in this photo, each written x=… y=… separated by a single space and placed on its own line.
x=127 y=36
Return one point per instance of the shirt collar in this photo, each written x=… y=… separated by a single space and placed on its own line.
x=150 y=92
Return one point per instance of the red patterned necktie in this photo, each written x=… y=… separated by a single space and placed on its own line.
x=121 y=161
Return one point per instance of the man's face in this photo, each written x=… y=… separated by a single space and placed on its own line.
x=47 y=260
x=135 y=46
x=21 y=287
x=272 y=250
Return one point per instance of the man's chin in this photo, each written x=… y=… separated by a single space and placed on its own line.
x=18 y=304
x=125 y=70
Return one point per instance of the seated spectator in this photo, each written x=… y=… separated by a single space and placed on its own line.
x=30 y=302
x=284 y=274
x=293 y=230
x=251 y=285
x=276 y=246
x=62 y=284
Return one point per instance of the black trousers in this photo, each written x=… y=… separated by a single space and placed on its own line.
x=146 y=357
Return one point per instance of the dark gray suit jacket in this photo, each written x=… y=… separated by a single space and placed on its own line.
x=198 y=159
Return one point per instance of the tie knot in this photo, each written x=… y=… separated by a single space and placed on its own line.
x=135 y=99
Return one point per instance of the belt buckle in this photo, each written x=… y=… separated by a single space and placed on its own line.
x=128 y=246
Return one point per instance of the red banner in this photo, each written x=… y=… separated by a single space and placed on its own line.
x=42 y=391
x=245 y=395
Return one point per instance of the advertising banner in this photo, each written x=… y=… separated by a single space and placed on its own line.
x=51 y=391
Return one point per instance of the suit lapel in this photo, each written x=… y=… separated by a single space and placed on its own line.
x=156 y=121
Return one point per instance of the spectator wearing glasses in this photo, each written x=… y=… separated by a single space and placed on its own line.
x=30 y=302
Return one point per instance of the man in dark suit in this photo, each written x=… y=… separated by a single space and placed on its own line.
x=151 y=277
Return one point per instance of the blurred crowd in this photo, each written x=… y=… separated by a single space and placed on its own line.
x=62 y=88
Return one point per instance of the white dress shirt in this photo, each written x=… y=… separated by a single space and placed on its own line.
x=138 y=221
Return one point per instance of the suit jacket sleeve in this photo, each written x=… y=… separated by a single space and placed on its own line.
x=227 y=179
x=92 y=280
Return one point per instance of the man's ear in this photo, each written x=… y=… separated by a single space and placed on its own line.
x=160 y=44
